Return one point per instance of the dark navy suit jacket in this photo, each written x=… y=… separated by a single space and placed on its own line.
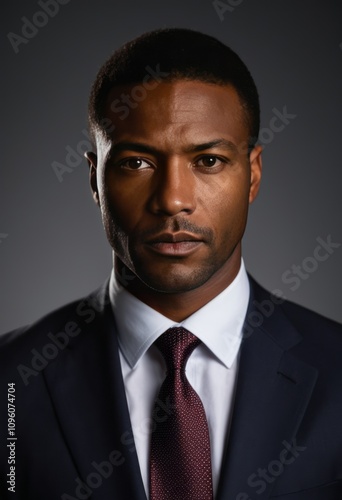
x=74 y=438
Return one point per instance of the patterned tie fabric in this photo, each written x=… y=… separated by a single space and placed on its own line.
x=180 y=465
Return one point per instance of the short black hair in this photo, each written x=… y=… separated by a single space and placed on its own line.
x=181 y=54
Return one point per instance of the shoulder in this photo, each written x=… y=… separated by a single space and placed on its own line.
x=307 y=334
x=68 y=322
x=302 y=317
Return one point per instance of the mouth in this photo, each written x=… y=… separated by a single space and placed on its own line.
x=174 y=244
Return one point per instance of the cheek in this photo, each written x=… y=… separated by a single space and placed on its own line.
x=122 y=201
x=226 y=204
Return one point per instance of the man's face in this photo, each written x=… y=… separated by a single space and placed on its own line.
x=174 y=183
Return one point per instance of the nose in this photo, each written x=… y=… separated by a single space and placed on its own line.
x=173 y=188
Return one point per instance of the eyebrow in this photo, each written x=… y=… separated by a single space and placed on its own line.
x=192 y=148
x=212 y=144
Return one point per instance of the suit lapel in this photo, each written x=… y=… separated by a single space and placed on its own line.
x=86 y=387
x=87 y=391
x=273 y=391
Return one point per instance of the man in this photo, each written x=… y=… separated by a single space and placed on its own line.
x=253 y=408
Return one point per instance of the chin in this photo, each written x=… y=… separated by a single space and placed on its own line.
x=176 y=282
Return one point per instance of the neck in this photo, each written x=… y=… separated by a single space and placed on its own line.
x=178 y=306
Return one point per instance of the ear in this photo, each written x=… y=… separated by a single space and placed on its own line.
x=92 y=162
x=256 y=169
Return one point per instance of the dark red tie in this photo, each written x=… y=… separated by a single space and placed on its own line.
x=180 y=466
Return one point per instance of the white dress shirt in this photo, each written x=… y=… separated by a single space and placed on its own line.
x=211 y=368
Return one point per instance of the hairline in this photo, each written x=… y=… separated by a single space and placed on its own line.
x=95 y=123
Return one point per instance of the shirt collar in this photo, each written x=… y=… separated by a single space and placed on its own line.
x=218 y=324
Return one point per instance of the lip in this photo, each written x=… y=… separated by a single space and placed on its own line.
x=174 y=244
x=173 y=238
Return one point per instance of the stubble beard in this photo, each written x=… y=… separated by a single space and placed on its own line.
x=176 y=276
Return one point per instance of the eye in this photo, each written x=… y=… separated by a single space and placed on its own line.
x=134 y=164
x=210 y=161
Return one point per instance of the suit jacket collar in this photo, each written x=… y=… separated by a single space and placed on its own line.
x=272 y=394
x=86 y=387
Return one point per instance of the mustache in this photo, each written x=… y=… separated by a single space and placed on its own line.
x=176 y=225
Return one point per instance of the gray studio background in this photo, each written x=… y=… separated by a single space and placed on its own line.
x=52 y=246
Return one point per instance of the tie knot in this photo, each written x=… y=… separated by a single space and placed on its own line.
x=176 y=345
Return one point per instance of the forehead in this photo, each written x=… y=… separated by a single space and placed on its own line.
x=174 y=113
